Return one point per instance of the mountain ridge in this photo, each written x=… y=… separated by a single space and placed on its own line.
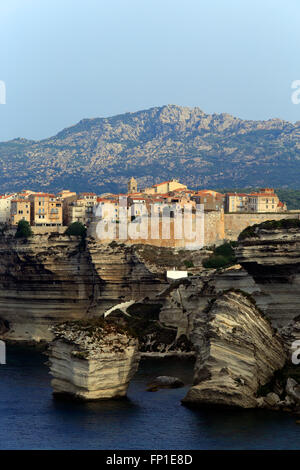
x=100 y=154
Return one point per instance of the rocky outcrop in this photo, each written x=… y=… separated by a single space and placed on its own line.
x=186 y=298
x=237 y=352
x=293 y=391
x=156 y=145
x=92 y=360
x=272 y=258
x=123 y=275
x=52 y=278
x=43 y=280
x=155 y=338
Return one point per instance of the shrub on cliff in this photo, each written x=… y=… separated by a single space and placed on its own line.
x=222 y=257
x=251 y=231
x=23 y=230
x=77 y=229
x=188 y=263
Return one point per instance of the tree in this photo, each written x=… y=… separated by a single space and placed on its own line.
x=77 y=229
x=23 y=230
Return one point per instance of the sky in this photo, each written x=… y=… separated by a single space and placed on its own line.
x=66 y=60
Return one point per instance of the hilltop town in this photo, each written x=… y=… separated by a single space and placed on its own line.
x=56 y=210
x=226 y=215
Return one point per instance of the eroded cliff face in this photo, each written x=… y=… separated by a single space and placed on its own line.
x=92 y=360
x=269 y=270
x=237 y=352
x=49 y=279
x=272 y=259
x=43 y=280
x=123 y=274
x=185 y=299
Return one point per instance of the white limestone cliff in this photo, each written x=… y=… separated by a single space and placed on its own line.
x=237 y=352
x=92 y=360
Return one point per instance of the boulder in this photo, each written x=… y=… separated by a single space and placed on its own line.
x=164 y=381
x=271 y=400
x=293 y=390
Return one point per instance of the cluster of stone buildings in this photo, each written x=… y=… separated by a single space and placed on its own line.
x=55 y=210
x=263 y=201
x=169 y=192
x=47 y=210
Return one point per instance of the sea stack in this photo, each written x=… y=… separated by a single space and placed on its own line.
x=92 y=360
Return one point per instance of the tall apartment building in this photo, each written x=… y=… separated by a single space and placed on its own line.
x=46 y=210
x=5 y=207
x=211 y=200
x=90 y=200
x=263 y=201
x=76 y=212
x=236 y=202
x=20 y=210
x=81 y=209
x=66 y=198
x=107 y=209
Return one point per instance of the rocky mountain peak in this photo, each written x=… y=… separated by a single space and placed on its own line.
x=166 y=142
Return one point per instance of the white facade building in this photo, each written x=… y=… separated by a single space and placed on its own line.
x=5 y=205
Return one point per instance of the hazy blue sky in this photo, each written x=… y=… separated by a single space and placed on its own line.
x=64 y=60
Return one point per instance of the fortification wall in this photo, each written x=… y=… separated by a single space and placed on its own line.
x=217 y=228
x=214 y=228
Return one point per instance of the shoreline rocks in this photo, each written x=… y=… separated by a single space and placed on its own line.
x=164 y=381
x=92 y=360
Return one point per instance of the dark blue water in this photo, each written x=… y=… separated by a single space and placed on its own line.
x=31 y=419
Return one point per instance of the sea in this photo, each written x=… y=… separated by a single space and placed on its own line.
x=31 y=419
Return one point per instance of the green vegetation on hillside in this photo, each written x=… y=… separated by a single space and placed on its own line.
x=291 y=197
x=251 y=231
x=76 y=229
x=222 y=257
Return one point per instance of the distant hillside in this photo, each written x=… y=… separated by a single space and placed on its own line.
x=100 y=154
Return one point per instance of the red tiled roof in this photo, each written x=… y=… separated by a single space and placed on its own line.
x=159 y=184
x=263 y=194
x=42 y=195
x=103 y=199
x=6 y=196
